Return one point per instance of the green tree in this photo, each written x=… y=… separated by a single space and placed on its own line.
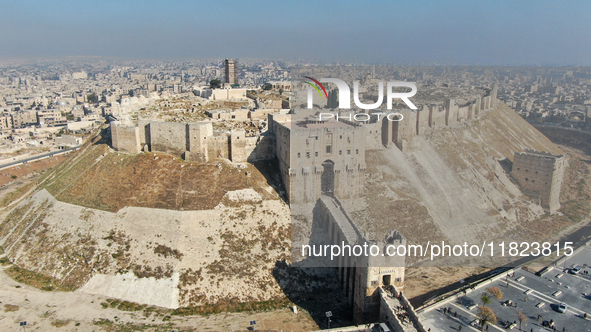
x=281 y=91
x=215 y=84
x=92 y=98
x=485 y=299
x=333 y=96
x=267 y=86
x=485 y=316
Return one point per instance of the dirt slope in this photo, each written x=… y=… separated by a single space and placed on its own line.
x=451 y=186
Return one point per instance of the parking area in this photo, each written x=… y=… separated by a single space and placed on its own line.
x=537 y=297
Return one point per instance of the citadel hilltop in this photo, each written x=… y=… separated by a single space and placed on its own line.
x=190 y=191
x=323 y=166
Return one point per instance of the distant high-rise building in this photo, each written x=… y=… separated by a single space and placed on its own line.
x=231 y=70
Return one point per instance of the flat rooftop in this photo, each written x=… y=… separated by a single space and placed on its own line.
x=533 y=295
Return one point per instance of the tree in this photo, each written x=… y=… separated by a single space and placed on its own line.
x=496 y=292
x=485 y=299
x=280 y=91
x=521 y=317
x=485 y=316
x=267 y=86
x=215 y=84
x=333 y=96
x=92 y=98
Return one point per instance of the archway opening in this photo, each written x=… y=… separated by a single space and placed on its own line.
x=327 y=179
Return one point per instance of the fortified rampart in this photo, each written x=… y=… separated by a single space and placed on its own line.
x=323 y=160
x=540 y=175
x=384 y=133
x=320 y=157
x=418 y=122
x=193 y=141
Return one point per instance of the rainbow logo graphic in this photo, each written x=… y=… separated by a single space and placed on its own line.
x=315 y=86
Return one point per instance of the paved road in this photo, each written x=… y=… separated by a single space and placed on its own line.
x=37 y=157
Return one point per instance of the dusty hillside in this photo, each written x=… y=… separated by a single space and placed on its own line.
x=452 y=186
x=99 y=177
x=575 y=199
x=158 y=230
x=166 y=258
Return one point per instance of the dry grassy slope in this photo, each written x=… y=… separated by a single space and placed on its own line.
x=98 y=177
x=101 y=213
x=451 y=186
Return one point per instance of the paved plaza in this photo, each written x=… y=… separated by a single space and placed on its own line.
x=537 y=297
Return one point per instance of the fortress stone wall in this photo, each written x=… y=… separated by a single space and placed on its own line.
x=324 y=161
x=193 y=141
x=320 y=157
x=540 y=175
x=125 y=138
x=418 y=122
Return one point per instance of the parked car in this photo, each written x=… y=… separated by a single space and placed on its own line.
x=562 y=308
x=575 y=270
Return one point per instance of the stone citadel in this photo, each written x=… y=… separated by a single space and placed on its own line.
x=322 y=163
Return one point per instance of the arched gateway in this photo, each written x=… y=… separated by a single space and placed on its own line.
x=327 y=179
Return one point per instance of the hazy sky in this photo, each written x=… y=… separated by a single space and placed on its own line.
x=430 y=32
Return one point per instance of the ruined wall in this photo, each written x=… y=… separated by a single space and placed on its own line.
x=471 y=111
x=197 y=149
x=423 y=115
x=436 y=116
x=237 y=147
x=192 y=141
x=125 y=138
x=228 y=94
x=451 y=112
x=403 y=131
x=168 y=137
x=260 y=148
x=477 y=104
x=463 y=113
x=417 y=122
x=540 y=174
x=218 y=147
x=260 y=114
